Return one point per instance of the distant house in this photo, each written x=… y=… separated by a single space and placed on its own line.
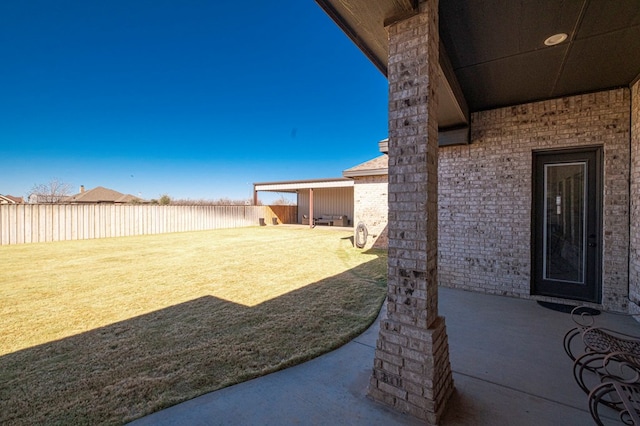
x=10 y=199
x=100 y=195
x=35 y=198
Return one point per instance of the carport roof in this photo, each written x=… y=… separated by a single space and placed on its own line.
x=294 y=185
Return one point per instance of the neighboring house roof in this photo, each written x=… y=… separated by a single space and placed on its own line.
x=376 y=167
x=10 y=199
x=100 y=194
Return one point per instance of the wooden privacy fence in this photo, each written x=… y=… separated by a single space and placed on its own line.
x=35 y=223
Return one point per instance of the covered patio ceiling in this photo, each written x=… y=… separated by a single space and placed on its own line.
x=493 y=52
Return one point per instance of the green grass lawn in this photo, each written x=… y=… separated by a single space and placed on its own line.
x=106 y=331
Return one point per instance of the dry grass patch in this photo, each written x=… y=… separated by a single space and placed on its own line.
x=106 y=331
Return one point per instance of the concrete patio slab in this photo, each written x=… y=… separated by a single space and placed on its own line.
x=507 y=357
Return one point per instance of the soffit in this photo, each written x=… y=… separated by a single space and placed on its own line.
x=364 y=22
x=496 y=48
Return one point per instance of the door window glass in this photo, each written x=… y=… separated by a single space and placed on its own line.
x=564 y=227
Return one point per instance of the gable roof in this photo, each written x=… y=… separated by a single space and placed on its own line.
x=100 y=194
x=376 y=167
x=10 y=199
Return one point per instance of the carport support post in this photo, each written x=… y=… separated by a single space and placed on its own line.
x=311 y=208
x=411 y=371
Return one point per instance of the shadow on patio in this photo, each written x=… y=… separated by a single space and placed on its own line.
x=507 y=356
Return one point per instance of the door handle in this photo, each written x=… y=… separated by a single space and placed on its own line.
x=593 y=245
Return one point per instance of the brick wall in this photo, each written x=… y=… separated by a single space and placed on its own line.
x=634 y=252
x=485 y=191
x=370 y=195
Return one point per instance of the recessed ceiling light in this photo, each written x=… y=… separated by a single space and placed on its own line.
x=555 y=39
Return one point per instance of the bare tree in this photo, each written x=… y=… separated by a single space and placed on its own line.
x=208 y=202
x=283 y=201
x=50 y=193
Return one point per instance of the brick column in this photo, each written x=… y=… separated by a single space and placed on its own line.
x=411 y=369
x=634 y=228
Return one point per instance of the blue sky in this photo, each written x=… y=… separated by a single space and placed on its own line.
x=194 y=99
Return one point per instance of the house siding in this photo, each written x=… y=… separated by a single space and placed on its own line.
x=485 y=192
x=370 y=194
x=634 y=252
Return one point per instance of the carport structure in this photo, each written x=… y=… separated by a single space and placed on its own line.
x=332 y=196
x=540 y=99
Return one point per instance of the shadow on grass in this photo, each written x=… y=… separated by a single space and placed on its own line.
x=128 y=369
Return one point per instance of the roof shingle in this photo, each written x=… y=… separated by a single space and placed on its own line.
x=374 y=167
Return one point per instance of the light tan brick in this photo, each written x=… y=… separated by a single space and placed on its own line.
x=412 y=221
x=486 y=189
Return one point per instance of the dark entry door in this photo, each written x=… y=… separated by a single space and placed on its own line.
x=567 y=232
